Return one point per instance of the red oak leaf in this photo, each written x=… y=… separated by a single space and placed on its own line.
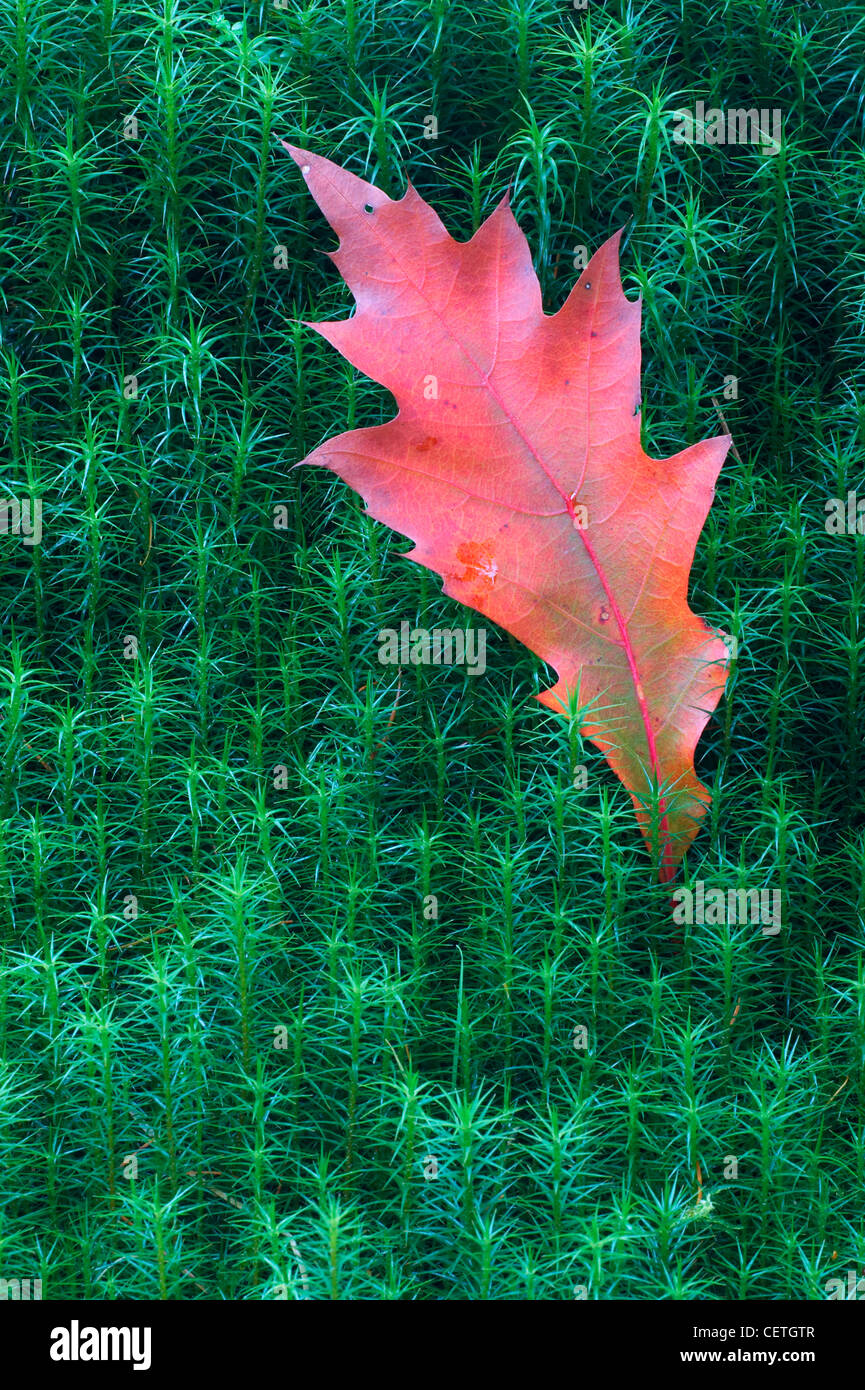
x=515 y=465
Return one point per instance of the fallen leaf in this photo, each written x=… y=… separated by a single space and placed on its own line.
x=515 y=465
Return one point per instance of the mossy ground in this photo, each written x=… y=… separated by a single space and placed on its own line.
x=238 y=1060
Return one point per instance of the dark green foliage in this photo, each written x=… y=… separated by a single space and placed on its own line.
x=275 y=805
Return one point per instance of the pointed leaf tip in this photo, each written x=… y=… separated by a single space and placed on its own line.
x=299 y=156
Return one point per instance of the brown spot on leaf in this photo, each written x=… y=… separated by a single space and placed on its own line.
x=480 y=568
x=424 y=444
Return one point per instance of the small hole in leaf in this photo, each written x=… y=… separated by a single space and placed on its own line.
x=367 y=207
x=637 y=408
x=588 y=284
x=305 y=169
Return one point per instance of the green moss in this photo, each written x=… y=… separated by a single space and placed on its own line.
x=244 y=1051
